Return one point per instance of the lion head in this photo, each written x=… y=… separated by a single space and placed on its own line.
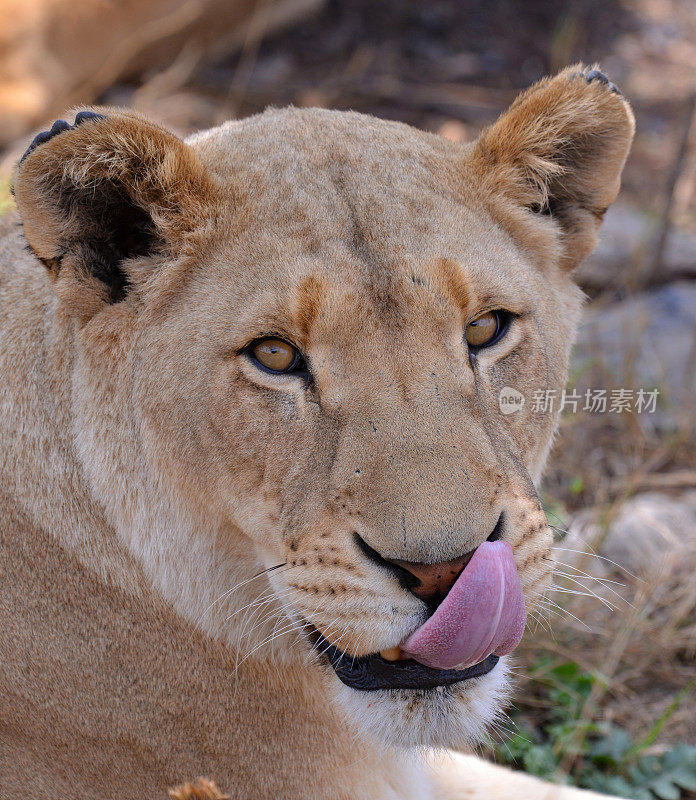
x=290 y=338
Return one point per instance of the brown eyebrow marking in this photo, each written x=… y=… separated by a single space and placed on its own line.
x=308 y=300
x=453 y=282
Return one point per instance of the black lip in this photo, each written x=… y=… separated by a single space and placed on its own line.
x=372 y=672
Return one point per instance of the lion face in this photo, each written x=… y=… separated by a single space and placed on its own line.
x=301 y=371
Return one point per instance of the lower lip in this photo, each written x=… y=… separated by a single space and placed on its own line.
x=372 y=673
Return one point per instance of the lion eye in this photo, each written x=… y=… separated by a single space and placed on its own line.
x=275 y=355
x=486 y=329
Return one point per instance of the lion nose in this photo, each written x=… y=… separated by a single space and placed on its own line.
x=433 y=581
x=429 y=582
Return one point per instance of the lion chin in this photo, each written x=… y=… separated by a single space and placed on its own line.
x=457 y=716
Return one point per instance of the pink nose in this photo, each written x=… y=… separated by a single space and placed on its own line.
x=434 y=580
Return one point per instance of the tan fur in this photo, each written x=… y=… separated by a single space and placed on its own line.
x=150 y=471
x=202 y=789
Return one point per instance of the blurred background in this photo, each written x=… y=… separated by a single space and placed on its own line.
x=608 y=688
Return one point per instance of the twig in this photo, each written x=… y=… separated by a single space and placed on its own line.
x=256 y=30
x=153 y=31
x=680 y=479
x=666 y=215
x=172 y=78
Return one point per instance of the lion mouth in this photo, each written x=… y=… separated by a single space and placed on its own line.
x=481 y=618
x=372 y=673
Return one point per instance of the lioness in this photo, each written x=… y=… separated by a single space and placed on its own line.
x=262 y=517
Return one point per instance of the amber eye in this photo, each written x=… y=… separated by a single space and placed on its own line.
x=486 y=329
x=275 y=355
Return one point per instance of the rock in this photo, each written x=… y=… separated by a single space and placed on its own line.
x=626 y=246
x=647 y=341
x=650 y=528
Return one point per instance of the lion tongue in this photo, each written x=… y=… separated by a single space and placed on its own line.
x=483 y=613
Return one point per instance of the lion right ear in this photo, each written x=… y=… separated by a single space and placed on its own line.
x=558 y=153
x=95 y=195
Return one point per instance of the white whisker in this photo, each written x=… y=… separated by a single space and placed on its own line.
x=602 y=558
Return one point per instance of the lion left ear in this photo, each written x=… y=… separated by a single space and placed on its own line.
x=97 y=194
x=559 y=151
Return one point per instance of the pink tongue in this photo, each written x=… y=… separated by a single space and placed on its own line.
x=483 y=613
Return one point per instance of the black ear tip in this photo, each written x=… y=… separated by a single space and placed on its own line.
x=58 y=126
x=596 y=75
x=81 y=116
x=40 y=138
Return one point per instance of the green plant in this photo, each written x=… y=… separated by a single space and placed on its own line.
x=576 y=485
x=606 y=759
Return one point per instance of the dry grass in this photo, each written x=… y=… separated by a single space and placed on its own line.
x=638 y=639
x=601 y=459
x=6 y=201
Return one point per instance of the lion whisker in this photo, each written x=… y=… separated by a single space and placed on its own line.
x=585 y=574
x=560 y=610
x=590 y=593
x=602 y=558
x=283 y=631
x=228 y=592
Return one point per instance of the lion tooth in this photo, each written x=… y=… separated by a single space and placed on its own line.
x=391 y=654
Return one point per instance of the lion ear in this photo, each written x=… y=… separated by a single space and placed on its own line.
x=559 y=151
x=97 y=194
